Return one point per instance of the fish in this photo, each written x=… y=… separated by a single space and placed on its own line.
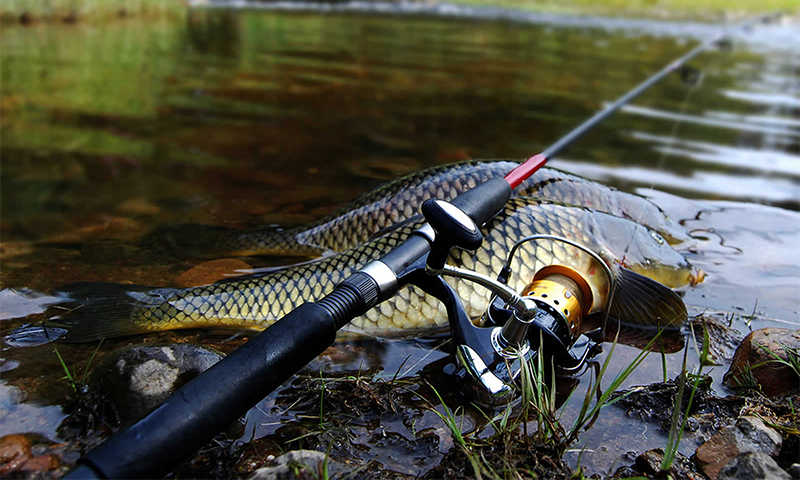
x=371 y=213
x=640 y=259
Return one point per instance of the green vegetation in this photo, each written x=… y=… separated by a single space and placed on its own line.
x=677 y=427
x=71 y=376
x=495 y=457
x=71 y=11
x=792 y=359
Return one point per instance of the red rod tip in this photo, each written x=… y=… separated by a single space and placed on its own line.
x=519 y=174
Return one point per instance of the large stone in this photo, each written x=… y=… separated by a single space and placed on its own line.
x=753 y=466
x=753 y=362
x=750 y=434
x=138 y=378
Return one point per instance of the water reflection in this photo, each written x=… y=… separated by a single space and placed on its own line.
x=246 y=118
x=742 y=158
x=770 y=99
x=20 y=416
x=775 y=128
x=784 y=192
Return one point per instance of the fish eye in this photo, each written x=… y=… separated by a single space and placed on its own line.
x=657 y=237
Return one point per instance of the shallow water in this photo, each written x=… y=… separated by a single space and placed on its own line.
x=242 y=118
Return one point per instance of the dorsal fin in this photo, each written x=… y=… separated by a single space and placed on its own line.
x=639 y=300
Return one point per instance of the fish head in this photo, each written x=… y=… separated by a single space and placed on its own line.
x=636 y=247
x=644 y=212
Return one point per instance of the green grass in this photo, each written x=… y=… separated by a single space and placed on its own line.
x=449 y=418
x=536 y=405
x=71 y=376
x=792 y=359
x=589 y=411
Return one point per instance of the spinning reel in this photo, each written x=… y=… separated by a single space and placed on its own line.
x=546 y=318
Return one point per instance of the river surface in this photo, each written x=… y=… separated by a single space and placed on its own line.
x=244 y=117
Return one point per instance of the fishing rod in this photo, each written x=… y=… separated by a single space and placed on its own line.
x=210 y=402
x=534 y=163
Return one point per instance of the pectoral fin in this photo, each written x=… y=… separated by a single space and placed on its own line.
x=639 y=300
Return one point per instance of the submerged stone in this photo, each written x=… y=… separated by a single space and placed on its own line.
x=19 y=454
x=138 y=378
x=210 y=272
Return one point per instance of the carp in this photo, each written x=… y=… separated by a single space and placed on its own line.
x=644 y=264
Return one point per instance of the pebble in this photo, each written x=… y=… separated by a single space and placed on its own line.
x=16 y=455
x=301 y=464
x=750 y=434
x=650 y=461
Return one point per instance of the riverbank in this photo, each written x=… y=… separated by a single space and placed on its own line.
x=68 y=11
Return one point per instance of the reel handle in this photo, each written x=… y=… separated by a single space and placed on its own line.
x=453 y=228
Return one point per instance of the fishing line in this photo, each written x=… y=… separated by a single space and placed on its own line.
x=664 y=154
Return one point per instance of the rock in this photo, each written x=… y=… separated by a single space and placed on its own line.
x=649 y=463
x=753 y=466
x=750 y=434
x=210 y=272
x=752 y=363
x=136 y=379
x=15 y=450
x=301 y=464
x=17 y=455
x=794 y=470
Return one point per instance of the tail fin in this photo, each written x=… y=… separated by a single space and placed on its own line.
x=91 y=311
x=641 y=301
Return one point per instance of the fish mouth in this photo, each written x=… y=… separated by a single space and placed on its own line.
x=697 y=276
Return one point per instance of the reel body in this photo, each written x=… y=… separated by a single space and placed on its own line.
x=546 y=318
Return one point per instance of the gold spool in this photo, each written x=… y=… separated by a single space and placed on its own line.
x=563 y=289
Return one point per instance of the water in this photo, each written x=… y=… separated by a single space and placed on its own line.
x=244 y=118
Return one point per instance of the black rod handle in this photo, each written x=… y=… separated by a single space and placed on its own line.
x=210 y=402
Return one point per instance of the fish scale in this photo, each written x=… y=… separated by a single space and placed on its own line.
x=399 y=200
x=254 y=302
